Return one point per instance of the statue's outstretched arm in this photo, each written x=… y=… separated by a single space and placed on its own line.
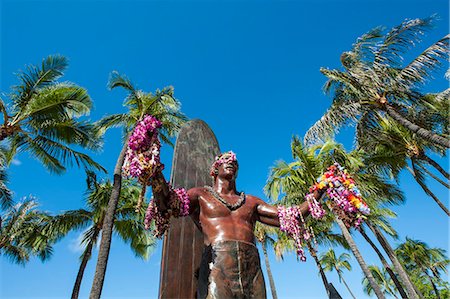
x=163 y=195
x=268 y=214
x=161 y=191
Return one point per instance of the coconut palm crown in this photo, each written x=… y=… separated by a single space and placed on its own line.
x=375 y=79
x=42 y=114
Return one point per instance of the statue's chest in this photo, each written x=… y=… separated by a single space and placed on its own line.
x=212 y=208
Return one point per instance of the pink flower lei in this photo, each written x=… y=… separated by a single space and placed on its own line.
x=292 y=223
x=142 y=161
x=178 y=207
x=142 y=157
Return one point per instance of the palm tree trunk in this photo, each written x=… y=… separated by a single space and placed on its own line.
x=433 y=163
x=446 y=185
x=269 y=272
x=385 y=264
x=107 y=229
x=359 y=258
x=426 y=190
x=313 y=253
x=423 y=133
x=343 y=280
x=86 y=257
x=411 y=289
x=434 y=286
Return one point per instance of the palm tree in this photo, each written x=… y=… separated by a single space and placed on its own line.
x=375 y=79
x=294 y=179
x=43 y=118
x=417 y=255
x=161 y=105
x=392 y=147
x=288 y=179
x=22 y=233
x=359 y=258
x=330 y=262
x=263 y=235
x=422 y=282
x=410 y=287
x=127 y=224
x=378 y=218
x=383 y=279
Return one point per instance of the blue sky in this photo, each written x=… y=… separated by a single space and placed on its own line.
x=250 y=69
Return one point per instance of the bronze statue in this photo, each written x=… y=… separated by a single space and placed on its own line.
x=230 y=266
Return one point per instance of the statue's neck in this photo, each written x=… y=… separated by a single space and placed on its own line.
x=225 y=186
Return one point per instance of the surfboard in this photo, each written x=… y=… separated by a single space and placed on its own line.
x=195 y=149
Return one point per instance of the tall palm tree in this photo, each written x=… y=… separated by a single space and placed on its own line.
x=161 y=105
x=128 y=224
x=263 y=233
x=378 y=218
x=417 y=255
x=331 y=262
x=410 y=287
x=383 y=279
x=375 y=79
x=42 y=118
x=22 y=233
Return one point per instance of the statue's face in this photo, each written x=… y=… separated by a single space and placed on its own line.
x=228 y=169
x=225 y=164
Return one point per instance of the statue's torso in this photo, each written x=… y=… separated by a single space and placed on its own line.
x=219 y=223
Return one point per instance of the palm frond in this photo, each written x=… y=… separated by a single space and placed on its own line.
x=35 y=78
x=132 y=232
x=134 y=98
x=22 y=233
x=400 y=39
x=329 y=124
x=61 y=101
x=365 y=45
x=54 y=155
x=112 y=121
x=70 y=131
x=6 y=195
x=41 y=153
x=418 y=70
x=118 y=80
x=62 y=224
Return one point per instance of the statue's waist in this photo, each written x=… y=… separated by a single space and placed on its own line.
x=232 y=255
x=231 y=245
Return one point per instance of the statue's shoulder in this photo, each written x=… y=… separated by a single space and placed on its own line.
x=253 y=199
x=197 y=190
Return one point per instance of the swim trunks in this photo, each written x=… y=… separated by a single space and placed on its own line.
x=230 y=269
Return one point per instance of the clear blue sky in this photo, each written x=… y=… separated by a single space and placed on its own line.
x=250 y=69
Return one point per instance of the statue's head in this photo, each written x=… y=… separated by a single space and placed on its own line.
x=226 y=163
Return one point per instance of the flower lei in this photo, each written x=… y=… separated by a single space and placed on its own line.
x=178 y=207
x=292 y=223
x=142 y=157
x=142 y=161
x=346 y=200
x=346 y=203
